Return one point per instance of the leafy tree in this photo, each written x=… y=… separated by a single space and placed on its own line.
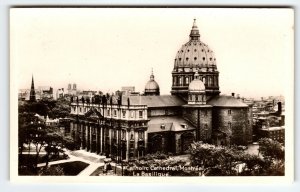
x=70 y=143
x=271 y=149
x=61 y=109
x=54 y=144
x=215 y=160
x=221 y=160
x=252 y=164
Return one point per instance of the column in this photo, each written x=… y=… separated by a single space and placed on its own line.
x=91 y=138
x=97 y=140
x=82 y=135
x=86 y=137
x=71 y=126
x=75 y=132
x=146 y=142
x=127 y=144
x=101 y=139
x=109 y=133
x=136 y=139
x=118 y=144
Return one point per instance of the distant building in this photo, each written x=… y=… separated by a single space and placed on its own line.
x=127 y=90
x=51 y=122
x=45 y=92
x=72 y=90
x=86 y=94
x=265 y=119
x=60 y=93
x=274 y=133
x=24 y=94
x=130 y=126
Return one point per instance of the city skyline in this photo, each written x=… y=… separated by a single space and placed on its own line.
x=100 y=50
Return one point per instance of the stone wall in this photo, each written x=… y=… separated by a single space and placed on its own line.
x=204 y=124
x=234 y=122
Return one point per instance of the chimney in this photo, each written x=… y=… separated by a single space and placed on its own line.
x=279 y=108
x=232 y=94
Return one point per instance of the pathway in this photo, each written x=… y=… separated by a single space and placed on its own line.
x=85 y=172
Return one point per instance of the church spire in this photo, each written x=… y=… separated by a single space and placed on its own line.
x=194 y=35
x=32 y=91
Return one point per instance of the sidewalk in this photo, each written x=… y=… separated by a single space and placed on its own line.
x=86 y=172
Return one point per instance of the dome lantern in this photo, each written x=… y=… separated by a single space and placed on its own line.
x=194 y=35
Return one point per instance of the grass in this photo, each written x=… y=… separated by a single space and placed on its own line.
x=72 y=168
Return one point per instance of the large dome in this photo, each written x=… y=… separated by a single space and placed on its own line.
x=195 y=56
x=194 y=53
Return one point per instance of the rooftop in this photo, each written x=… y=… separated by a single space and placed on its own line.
x=168 y=123
x=226 y=101
x=154 y=101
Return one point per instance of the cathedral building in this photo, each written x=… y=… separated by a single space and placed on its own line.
x=129 y=126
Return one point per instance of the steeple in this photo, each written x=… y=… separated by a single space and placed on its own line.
x=32 y=91
x=194 y=35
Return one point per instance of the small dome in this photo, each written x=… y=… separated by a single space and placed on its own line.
x=152 y=87
x=197 y=84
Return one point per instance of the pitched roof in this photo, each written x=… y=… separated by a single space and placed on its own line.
x=154 y=101
x=226 y=101
x=170 y=123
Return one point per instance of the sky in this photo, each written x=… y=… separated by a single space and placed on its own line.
x=105 y=49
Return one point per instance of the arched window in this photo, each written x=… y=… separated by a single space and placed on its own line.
x=180 y=81
x=209 y=81
x=141 y=135
x=196 y=97
x=187 y=80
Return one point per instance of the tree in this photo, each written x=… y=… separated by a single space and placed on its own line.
x=215 y=160
x=252 y=164
x=70 y=143
x=221 y=160
x=61 y=109
x=53 y=144
x=32 y=129
x=271 y=149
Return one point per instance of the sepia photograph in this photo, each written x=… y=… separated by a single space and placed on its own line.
x=194 y=93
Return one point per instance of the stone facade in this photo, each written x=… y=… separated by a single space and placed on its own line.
x=234 y=123
x=201 y=118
